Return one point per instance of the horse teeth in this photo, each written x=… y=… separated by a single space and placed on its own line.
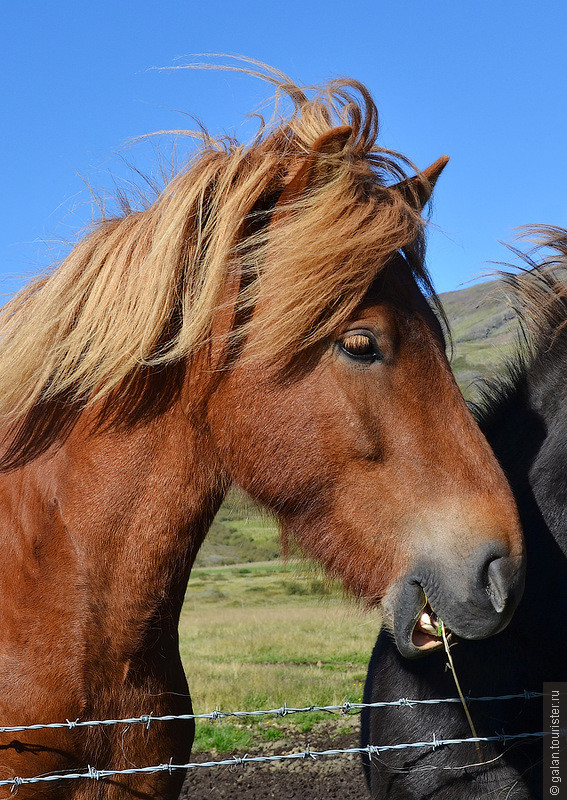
x=426 y=624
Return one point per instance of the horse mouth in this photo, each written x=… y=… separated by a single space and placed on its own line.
x=427 y=633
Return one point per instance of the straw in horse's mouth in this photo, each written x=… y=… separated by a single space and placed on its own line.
x=428 y=630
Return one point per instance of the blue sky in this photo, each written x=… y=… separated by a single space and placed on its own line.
x=483 y=82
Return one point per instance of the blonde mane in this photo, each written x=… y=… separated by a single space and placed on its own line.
x=141 y=291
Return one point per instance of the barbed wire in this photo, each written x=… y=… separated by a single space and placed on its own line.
x=283 y=711
x=370 y=750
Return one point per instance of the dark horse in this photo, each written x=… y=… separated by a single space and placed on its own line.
x=262 y=322
x=524 y=418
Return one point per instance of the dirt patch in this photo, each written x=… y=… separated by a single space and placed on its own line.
x=327 y=778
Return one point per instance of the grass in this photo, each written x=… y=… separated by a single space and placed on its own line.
x=272 y=635
x=265 y=583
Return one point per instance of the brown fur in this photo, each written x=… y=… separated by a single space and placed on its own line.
x=208 y=342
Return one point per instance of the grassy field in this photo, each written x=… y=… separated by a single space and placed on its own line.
x=264 y=635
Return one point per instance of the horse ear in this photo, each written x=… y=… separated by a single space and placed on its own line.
x=417 y=190
x=328 y=144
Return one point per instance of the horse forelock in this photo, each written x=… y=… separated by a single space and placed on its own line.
x=143 y=289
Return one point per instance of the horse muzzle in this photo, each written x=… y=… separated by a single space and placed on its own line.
x=473 y=599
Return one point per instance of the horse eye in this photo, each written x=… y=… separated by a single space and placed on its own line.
x=361 y=346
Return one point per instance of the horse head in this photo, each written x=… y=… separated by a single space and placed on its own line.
x=359 y=439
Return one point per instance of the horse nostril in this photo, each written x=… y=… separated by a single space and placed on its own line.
x=498 y=583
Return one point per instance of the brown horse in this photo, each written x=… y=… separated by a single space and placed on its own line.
x=263 y=323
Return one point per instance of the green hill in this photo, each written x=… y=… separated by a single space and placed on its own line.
x=483 y=327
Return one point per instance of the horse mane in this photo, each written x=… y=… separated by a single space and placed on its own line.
x=115 y=323
x=538 y=294
x=537 y=290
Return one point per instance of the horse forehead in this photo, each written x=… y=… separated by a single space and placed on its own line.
x=384 y=315
x=395 y=311
x=407 y=298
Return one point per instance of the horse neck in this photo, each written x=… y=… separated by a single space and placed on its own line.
x=517 y=428
x=136 y=506
x=545 y=397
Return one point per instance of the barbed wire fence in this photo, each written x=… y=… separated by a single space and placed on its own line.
x=347 y=709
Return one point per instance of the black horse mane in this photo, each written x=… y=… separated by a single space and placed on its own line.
x=538 y=294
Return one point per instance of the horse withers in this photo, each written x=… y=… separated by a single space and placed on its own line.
x=524 y=418
x=262 y=322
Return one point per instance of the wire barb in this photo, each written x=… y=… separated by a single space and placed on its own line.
x=16 y=783
x=93 y=773
x=147 y=718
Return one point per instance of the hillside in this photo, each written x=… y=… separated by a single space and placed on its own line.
x=241 y=533
x=483 y=328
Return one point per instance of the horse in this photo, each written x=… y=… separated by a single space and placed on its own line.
x=262 y=322
x=523 y=417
